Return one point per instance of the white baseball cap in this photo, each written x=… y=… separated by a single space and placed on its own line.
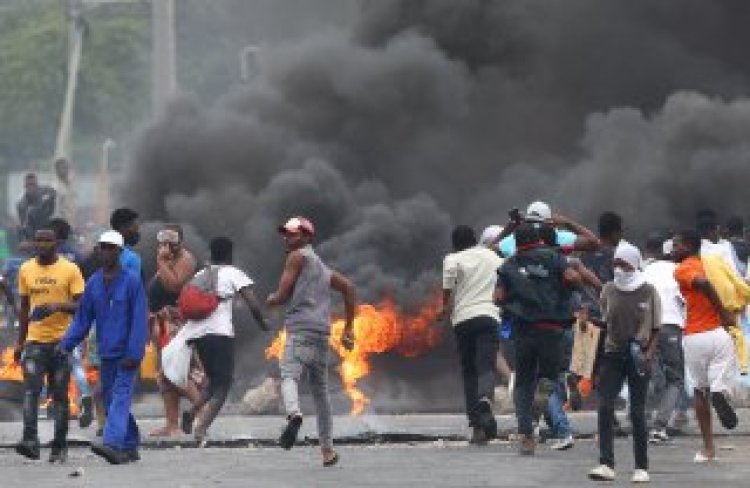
x=538 y=212
x=111 y=237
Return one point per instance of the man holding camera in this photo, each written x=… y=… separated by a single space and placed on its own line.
x=570 y=235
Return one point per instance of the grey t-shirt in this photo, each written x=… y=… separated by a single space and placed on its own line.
x=629 y=315
x=309 y=308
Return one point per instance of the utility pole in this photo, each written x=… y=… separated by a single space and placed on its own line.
x=75 y=46
x=164 y=76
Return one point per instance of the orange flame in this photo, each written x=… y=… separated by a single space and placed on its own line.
x=377 y=330
x=10 y=370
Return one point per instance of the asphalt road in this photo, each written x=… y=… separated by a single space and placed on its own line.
x=431 y=464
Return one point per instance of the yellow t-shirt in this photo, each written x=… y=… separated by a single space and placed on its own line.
x=55 y=283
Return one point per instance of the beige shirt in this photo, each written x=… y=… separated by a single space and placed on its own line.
x=630 y=315
x=471 y=275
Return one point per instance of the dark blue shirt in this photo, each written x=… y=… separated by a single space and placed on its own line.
x=119 y=310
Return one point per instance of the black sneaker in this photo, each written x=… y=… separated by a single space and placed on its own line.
x=478 y=437
x=187 y=422
x=133 y=455
x=28 y=449
x=111 y=455
x=58 y=454
x=486 y=419
x=87 y=412
x=724 y=410
x=289 y=435
x=100 y=432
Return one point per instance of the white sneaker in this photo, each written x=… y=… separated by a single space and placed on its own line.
x=701 y=458
x=658 y=435
x=602 y=473
x=563 y=444
x=640 y=476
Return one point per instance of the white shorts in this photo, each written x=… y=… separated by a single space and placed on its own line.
x=710 y=360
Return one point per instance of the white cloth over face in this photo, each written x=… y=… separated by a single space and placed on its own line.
x=627 y=280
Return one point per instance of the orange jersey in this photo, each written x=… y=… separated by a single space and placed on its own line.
x=702 y=316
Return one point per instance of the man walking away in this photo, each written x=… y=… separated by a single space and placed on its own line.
x=469 y=281
x=534 y=287
x=631 y=309
x=709 y=350
x=49 y=286
x=115 y=300
x=660 y=274
x=213 y=337
x=304 y=288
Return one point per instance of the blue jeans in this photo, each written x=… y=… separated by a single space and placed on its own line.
x=118 y=385
x=558 y=418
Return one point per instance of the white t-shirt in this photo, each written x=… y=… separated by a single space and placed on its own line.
x=660 y=274
x=229 y=281
x=472 y=276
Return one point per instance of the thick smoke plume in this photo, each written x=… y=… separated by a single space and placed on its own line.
x=432 y=112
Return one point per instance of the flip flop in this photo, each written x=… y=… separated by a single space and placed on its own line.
x=332 y=461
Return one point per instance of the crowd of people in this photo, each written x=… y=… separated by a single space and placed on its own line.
x=519 y=295
x=89 y=315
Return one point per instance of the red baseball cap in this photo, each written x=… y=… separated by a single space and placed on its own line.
x=295 y=225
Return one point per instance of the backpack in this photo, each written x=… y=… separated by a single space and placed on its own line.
x=199 y=297
x=536 y=292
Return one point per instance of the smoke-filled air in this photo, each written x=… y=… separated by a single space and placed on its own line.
x=425 y=114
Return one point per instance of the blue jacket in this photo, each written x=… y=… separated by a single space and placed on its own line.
x=120 y=313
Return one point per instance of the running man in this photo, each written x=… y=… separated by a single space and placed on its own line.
x=305 y=288
x=709 y=350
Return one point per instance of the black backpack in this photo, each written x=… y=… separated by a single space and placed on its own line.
x=535 y=291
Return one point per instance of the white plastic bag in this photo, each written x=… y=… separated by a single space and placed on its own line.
x=175 y=361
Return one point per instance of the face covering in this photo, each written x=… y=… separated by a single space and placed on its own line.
x=628 y=280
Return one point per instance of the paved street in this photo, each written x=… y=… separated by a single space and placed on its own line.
x=432 y=464
x=388 y=451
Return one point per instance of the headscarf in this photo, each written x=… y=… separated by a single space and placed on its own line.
x=628 y=280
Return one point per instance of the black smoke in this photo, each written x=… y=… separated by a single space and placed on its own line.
x=427 y=113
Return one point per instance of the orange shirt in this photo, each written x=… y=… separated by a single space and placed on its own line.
x=702 y=316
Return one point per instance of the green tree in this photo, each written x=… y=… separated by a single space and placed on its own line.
x=113 y=89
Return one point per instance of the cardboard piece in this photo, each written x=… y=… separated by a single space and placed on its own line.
x=585 y=345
